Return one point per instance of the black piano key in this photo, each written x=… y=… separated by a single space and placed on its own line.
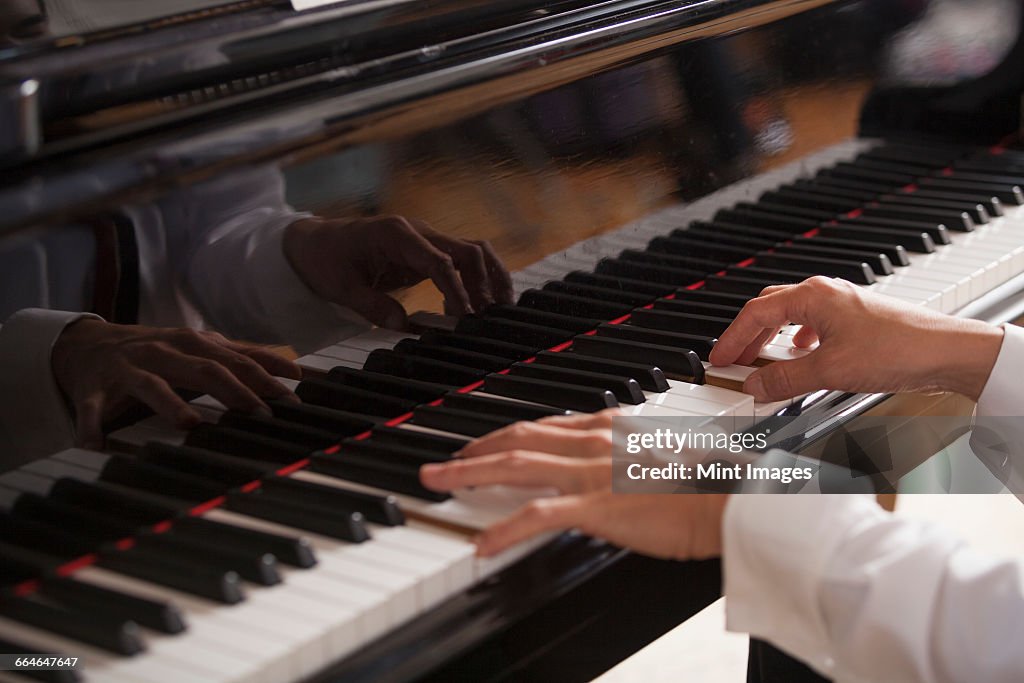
x=118 y=636
x=976 y=211
x=390 y=362
x=749 y=234
x=717 y=298
x=856 y=172
x=953 y=220
x=380 y=465
x=340 y=524
x=732 y=284
x=1008 y=194
x=18 y=563
x=810 y=200
x=686 y=323
x=684 y=305
x=227 y=469
x=1004 y=179
x=592 y=306
x=611 y=297
x=459 y=421
x=292 y=550
x=785 y=224
x=828 y=182
x=936 y=158
x=374 y=508
x=654 y=289
x=448 y=354
x=155 y=614
x=625 y=389
x=490 y=347
x=876 y=260
x=242 y=444
x=896 y=254
x=46 y=676
x=93 y=527
x=176 y=572
x=809 y=188
x=260 y=568
x=300 y=435
x=857 y=272
x=534 y=336
x=649 y=377
x=920 y=242
x=913 y=168
x=937 y=231
x=145 y=476
x=787 y=210
x=533 y=316
x=675 y=362
x=651 y=273
x=437 y=443
x=47 y=538
x=328 y=394
x=694 y=246
x=131 y=505
x=562 y=395
x=507 y=410
x=988 y=167
x=758 y=271
x=399 y=387
x=991 y=204
x=674 y=260
x=335 y=421
x=700 y=344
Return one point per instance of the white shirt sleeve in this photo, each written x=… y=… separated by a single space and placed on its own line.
x=861 y=595
x=34 y=417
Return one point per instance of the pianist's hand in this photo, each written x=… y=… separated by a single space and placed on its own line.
x=868 y=343
x=102 y=368
x=355 y=262
x=573 y=454
x=533 y=454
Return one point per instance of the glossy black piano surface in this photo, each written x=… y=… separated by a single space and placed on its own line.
x=532 y=125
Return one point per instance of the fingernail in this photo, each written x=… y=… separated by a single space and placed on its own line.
x=755 y=387
x=430 y=471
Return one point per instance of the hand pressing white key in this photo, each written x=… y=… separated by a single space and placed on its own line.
x=102 y=368
x=867 y=343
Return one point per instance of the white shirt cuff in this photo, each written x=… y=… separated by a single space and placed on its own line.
x=1001 y=395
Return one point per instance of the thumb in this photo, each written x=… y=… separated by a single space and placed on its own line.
x=783 y=379
x=89 y=422
x=380 y=309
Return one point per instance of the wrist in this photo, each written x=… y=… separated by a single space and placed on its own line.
x=968 y=352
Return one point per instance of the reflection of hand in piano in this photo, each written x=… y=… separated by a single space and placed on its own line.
x=868 y=343
x=354 y=262
x=103 y=367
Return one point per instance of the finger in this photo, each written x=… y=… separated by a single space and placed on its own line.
x=601 y=420
x=805 y=337
x=417 y=253
x=541 y=438
x=536 y=517
x=275 y=364
x=772 y=310
x=379 y=308
x=469 y=261
x=89 y=422
x=204 y=375
x=500 y=279
x=517 y=468
x=785 y=379
x=156 y=393
x=755 y=347
x=250 y=372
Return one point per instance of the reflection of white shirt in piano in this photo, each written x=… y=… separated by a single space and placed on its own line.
x=862 y=595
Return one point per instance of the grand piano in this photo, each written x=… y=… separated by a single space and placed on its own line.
x=642 y=167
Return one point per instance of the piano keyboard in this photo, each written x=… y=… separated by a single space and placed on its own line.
x=265 y=548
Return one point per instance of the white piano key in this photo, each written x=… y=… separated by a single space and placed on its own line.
x=346 y=354
x=318 y=363
x=377 y=338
